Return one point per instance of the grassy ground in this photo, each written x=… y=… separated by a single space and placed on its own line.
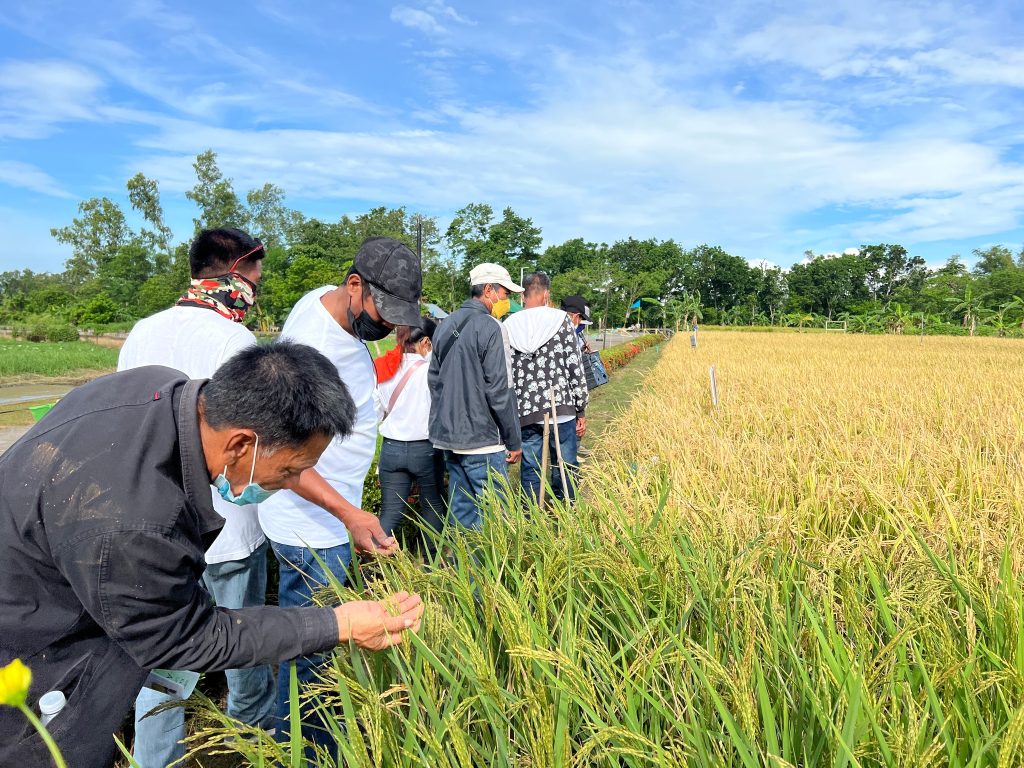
x=608 y=402
x=20 y=360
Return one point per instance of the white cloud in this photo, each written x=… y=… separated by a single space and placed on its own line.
x=441 y=8
x=610 y=152
x=26 y=176
x=416 y=19
x=36 y=96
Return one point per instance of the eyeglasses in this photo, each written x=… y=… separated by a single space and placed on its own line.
x=245 y=256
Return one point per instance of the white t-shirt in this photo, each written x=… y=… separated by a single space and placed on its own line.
x=286 y=517
x=196 y=341
x=409 y=419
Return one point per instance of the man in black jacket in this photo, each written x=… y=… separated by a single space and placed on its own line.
x=473 y=411
x=105 y=514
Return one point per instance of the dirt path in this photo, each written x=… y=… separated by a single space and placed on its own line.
x=9 y=435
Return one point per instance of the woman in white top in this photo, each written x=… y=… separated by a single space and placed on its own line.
x=406 y=454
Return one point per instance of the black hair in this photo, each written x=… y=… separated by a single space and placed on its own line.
x=476 y=291
x=215 y=250
x=285 y=392
x=416 y=333
x=536 y=282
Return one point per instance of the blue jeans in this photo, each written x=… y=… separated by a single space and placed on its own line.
x=400 y=464
x=533 y=445
x=233 y=584
x=468 y=478
x=301 y=576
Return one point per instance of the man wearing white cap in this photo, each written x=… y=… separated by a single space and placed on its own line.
x=474 y=414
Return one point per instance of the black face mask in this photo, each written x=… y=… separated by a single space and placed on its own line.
x=366 y=328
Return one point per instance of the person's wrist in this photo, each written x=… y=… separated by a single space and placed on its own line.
x=344 y=625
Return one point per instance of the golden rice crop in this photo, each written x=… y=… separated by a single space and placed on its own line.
x=824 y=570
x=830 y=438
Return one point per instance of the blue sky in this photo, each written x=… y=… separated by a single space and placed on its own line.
x=766 y=128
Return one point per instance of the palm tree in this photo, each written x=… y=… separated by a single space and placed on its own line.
x=1017 y=303
x=998 y=319
x=970 y=308
x=691 y=308
x=897 y=318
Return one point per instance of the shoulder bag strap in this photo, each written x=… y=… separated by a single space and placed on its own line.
x=401 y=386
x=455 y=338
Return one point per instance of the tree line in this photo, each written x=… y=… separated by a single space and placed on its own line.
x=117 y=274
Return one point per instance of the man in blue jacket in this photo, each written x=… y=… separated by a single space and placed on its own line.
x=474 y=415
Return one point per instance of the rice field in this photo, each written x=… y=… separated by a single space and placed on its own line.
x=824 y=570
x=28 y=358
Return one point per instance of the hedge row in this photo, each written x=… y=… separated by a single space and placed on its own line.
x=44 y=328
x=619 y=355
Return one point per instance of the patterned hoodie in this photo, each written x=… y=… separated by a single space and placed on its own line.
x=545 y=355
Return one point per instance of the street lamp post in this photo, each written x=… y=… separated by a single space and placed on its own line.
x=607 y=285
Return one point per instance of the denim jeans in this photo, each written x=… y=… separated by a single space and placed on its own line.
x=301 y=576
x=400 y=464
x=533 y=445
x=251 y=693
x=468 y=478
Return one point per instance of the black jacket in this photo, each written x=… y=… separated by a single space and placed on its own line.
x=472 y=402
x=105 y=514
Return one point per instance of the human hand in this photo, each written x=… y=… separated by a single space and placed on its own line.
x=581 y=426
x=367 y=536
x=514 y=456
x=379 y=624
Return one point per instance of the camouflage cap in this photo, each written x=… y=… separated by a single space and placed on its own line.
x=393 y=274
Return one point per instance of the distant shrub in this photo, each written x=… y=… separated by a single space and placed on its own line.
x=44 y=328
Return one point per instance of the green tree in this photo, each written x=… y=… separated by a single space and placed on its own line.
x=890 y=268
x=723 y=280
x=94 y=236
x=771 y=291
x=467 y=234
x=269 y=218
x=144 y=196
x=993 y=259
x=219 y=206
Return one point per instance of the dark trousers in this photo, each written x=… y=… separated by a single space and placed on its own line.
x=400 y=464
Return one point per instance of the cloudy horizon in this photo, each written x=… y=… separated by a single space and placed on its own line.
x=767 y=130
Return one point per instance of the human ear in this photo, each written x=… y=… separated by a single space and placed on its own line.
x=239 y=444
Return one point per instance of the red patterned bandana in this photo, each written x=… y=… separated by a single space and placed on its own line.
x=229 y=295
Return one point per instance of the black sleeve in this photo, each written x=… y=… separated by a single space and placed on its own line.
x=142 y=586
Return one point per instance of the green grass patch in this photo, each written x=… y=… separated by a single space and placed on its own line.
x=25 y=358
x=607 y=402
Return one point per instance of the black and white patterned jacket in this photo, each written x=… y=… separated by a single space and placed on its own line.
x=545 y=355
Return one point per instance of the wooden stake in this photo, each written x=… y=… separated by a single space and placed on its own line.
x=558 y=448
x=544 y=460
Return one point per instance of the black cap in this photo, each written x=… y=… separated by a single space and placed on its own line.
x=393 y=274
x=578 y=305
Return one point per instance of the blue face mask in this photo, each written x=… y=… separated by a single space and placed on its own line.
x=251 y=494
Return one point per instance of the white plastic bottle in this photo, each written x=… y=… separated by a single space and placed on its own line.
x=50 y=705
